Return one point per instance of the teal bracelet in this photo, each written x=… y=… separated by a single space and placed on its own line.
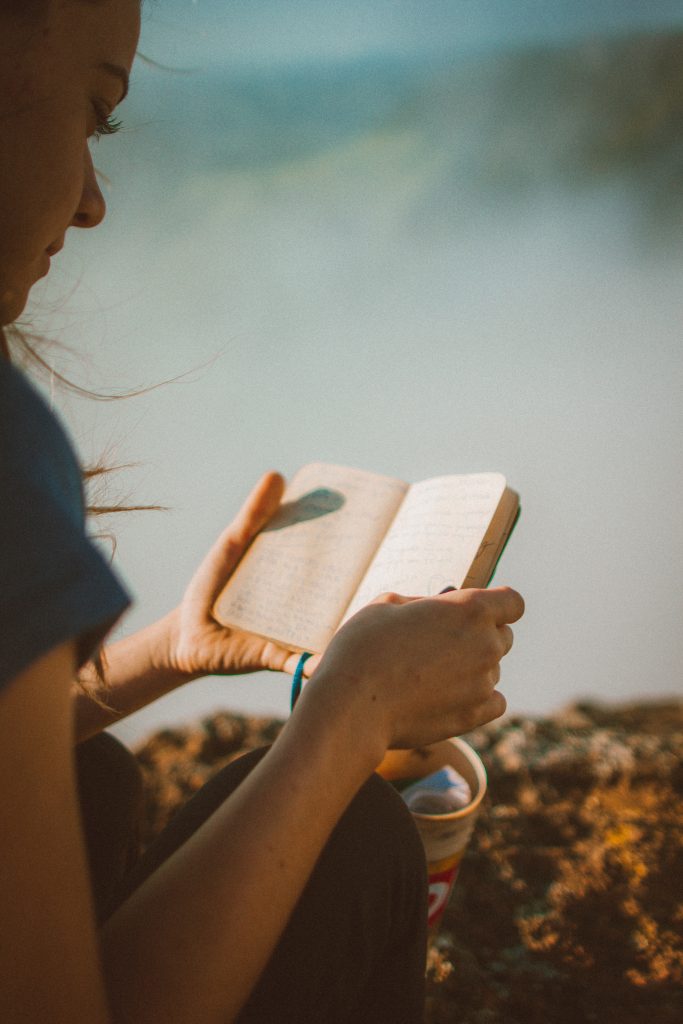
x=298 y=679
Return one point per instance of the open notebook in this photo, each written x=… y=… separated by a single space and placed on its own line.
x=342 y=536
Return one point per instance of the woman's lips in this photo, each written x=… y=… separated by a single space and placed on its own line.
x=51 y=250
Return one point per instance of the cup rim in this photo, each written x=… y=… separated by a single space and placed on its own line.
x=477 y=766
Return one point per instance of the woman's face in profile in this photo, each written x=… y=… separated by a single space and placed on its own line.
x=63 y=71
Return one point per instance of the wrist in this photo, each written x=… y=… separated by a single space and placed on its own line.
x=161 y=638
x=343 y=704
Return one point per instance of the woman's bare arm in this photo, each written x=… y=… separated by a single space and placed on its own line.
x=137 y=673
x=191 y=942
x=141 y=667
x=205 y=924
x=49 y=963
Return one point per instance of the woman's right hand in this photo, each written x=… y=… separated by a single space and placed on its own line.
x=418 y=670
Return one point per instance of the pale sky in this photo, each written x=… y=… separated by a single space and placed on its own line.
x=379 y=301
x=285 y=31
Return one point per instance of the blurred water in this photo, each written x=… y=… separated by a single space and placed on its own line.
x=417 y=266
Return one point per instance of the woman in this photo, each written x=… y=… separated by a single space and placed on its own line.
x=261 y=904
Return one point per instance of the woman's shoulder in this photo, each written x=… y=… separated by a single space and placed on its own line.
x=54 y=583
x=35 y=452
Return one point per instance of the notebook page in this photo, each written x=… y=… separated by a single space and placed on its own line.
x=301 y=571
x=434 y=538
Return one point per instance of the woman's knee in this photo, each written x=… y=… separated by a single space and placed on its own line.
x=376 y=852
x=379 y=819
x=360 y=920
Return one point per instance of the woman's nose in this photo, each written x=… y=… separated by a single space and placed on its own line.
x=92 y=207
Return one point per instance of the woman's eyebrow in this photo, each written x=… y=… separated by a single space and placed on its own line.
x=118 y=72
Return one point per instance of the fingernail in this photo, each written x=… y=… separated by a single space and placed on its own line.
x=447 y=590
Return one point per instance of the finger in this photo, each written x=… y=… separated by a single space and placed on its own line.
x=309 y=667
x=259 y=507
x=492 y=707
x=223 y=556
x=506 y=639
x=505 y=604
x=495 y=706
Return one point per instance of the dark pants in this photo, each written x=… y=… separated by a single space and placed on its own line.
x=354 y=948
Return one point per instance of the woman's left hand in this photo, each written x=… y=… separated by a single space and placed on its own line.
x=198 y=645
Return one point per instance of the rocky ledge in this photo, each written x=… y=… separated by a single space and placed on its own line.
x=569 y=903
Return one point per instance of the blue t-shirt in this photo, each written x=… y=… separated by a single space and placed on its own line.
x=54 y=583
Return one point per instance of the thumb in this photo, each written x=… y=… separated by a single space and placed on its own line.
x=224 y=555
x=261 y=504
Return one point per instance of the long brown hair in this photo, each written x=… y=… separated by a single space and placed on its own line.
x=22 y=347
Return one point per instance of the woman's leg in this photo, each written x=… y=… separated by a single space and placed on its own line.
x=354 y=949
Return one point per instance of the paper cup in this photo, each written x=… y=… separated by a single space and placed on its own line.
x=444 y=836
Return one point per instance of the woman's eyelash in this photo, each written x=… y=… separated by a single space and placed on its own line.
x=107 y=126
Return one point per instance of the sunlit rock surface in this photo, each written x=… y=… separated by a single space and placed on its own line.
x=569 y=903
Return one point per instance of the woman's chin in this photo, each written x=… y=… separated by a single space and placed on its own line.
x=12 y=305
